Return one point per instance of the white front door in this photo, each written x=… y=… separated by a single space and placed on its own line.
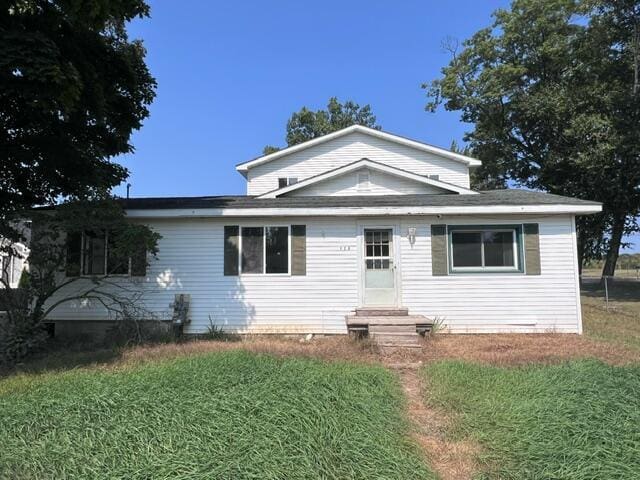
x=379 y=274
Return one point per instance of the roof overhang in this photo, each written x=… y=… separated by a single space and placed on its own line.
x=555 y=209
x=471 y=162
x=370 y=164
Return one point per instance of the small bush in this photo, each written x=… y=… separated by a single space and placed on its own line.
x=216 y=332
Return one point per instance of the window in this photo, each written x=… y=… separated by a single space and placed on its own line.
x=495 y=248
x=99 y=254
x=264 y=249
x=377 y=249
x=93 y=253
x=363 y=180
x=286 y=181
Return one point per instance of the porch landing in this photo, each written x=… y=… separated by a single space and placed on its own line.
x=388 y=327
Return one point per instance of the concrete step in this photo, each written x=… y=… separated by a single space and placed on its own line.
x=381 y=311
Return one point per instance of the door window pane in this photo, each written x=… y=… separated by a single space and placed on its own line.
x=252 y=247
x=277 y=249
x=466 y=249
x=498 y=249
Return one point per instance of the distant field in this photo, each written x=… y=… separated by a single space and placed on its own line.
x=231 y=415
x=621 y=273
x=574 y=421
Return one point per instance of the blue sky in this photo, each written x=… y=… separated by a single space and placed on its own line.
x=231 y=73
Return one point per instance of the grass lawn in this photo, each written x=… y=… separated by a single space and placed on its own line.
x=576 y=420
x=620 y=324
x=235 y=415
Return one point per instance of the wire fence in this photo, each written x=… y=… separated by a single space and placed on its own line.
x=613 y=290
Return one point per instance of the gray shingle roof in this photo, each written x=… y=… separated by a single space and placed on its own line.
x=512 y=197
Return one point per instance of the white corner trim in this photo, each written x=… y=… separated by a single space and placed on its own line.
x=556 y=209
x=366 y=163
x=471 y=162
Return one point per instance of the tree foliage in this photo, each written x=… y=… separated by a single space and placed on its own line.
x=551 y=88
x=487 y=176
x=72 y=90
x=47 y=284
x=306 y=124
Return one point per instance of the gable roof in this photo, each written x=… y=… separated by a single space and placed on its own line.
x=370 y=164
x=471 y=162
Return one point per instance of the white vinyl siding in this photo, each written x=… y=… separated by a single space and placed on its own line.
x=191 y=257
x=495 y=302
x=379 y=183
x=348 y=149
x=191 y=260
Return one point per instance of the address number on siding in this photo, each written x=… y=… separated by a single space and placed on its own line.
x=345 y=248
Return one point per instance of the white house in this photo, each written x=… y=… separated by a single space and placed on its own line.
x=357 y=218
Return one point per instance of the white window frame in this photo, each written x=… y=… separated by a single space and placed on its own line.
x=388 y=258
x=264 y=250
x=288 y=180
x=481 y=269
x=106 y=260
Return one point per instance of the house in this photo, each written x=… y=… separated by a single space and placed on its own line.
x=356 y=218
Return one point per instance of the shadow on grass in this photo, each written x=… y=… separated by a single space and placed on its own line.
x=58 y=356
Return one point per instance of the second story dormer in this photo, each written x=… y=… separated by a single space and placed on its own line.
x=358 y=161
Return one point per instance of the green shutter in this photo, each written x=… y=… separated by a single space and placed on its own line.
x=298 y=249
x=74 y=248
x=532 y=249
x=439 y=250
x=231 y=249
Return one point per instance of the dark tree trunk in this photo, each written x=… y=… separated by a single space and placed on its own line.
x=617 y=231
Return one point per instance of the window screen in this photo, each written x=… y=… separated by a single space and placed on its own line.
x=277 y=249
x=94 y=253
x=467 y=249
x=252 y=249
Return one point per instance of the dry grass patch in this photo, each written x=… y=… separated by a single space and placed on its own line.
x=520 y=349
x=450 y=459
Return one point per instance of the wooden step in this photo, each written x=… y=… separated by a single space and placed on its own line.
x=396 y=340
x=381 y=311
x=408 y=329
x=385 y=320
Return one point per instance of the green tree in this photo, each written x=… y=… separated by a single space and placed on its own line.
x=551 y=88
x=306 y=124
x=54 y=277
x=487 y=176
x=72 y=90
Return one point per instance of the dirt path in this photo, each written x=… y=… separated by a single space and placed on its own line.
x=451 y=460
